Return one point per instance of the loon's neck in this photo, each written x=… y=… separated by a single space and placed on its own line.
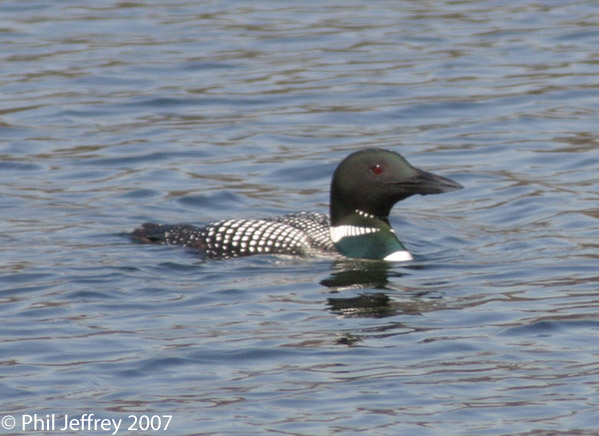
x=362 y=235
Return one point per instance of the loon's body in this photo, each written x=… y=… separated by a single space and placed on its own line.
x=364 y=188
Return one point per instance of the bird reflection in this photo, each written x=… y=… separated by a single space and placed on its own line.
x=375 y=305
x=374 y=301
x=360 y=274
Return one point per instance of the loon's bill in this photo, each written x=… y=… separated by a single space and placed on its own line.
x=364 y=188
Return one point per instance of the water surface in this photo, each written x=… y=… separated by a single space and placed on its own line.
x=118 y=113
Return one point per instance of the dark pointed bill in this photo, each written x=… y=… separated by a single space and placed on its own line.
x=425 y=183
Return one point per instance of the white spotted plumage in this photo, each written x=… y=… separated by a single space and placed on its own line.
x=298 y=233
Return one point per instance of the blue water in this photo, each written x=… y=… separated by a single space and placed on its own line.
x=117 y=113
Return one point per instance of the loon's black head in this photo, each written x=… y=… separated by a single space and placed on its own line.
x=372 y=181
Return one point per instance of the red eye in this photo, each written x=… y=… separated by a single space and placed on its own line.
x=377 y=170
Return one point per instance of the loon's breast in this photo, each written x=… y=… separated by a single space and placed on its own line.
x=295 y=234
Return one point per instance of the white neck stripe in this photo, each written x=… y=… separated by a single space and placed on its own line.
x=365 y=214
x=369 y=215
x=340 y=232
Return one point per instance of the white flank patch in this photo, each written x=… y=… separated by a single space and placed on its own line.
x=399 y=256
x=340 y=232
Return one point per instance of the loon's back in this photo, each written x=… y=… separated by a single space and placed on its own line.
x=296 y=234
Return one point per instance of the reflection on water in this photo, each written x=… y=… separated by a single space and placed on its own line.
x=352 y=274
x=376 y=305
x=358 y=274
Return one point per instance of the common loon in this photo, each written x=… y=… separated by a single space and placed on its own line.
x=364 y=188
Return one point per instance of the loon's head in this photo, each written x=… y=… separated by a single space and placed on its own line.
x=365 y=186
x=373 y=180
